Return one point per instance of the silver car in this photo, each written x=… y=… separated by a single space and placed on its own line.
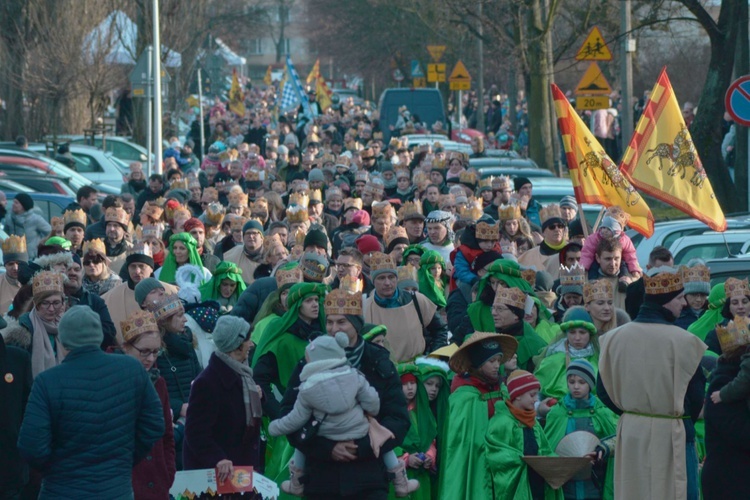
x=99 y=166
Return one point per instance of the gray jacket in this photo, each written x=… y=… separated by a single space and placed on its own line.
x=337 y=393
x=30 y=223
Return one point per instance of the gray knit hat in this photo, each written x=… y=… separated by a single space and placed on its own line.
x=583 y=369
x=145 y=287
x=230 y=332
x=80 y=326
x=325 y=347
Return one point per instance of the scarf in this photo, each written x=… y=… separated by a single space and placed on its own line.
x=387 y=303
x=250 y=391
x=354 y=354
x=526 y=417
x=114 y=251
x=42 y=353
x=137 y=186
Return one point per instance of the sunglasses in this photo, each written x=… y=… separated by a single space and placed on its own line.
x=556 y=226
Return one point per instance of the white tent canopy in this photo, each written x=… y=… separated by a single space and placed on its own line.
x=116 y=35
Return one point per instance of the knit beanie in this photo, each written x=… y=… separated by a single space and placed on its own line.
x=361 y=218
x=368 y=243
x=316 y=174
x=611 y=224
x=314 y=267
x=583 y=369
x=317 y=238
x=520 y=382
x=230 y=332
x=192 y=223
x=252 y=224
x=480 y=352
x=80 y=326
x=520 y=182
x=485 y=259
x=569 y=201
x=25 y=200
x=144 y=287
x=357 y=321
x=327 y=347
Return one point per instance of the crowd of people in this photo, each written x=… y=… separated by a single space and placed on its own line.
x=358 y=319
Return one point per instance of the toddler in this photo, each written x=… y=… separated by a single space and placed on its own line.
x=612 y=226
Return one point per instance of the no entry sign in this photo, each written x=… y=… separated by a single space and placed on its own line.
x=737 y=100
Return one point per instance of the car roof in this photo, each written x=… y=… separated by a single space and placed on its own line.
x=516 y=171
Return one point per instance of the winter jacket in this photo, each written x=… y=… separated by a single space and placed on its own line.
x=15 y=367
x=215 y=427
x=179 y=365
x=588 y=254
x=459 y=323
x=31 y=224
x=88 y=421
x=97 y=304
x=96 y=230
x=252 y=298
x=338 y=394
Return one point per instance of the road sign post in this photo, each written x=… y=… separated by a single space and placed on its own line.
x=460 y=78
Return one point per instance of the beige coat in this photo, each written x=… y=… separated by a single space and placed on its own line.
x=121 y=303
x=247 y=265
x=646 y=369
x=405 y=335
x=8 y=292
x=534 y=258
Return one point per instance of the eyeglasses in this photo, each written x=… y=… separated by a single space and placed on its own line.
x=145 y=353
x=367 y=158
x=556 y=226
x=344 y=265
x=55 y=304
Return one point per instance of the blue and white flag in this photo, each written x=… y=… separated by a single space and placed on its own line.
x=294 y=80
x=289 y=97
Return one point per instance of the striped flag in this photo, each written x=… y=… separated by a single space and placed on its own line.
x=314 y=72
x=296 y=84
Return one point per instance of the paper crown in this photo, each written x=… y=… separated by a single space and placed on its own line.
x=297 y=213
x=736 y=288
x=473 y=210
x=299 y=199
x=467 y=177
x=278 y=185
x=288 y=276
x=382 y=209
x=326 y=158
x=485 y=184
x=236 y=222
x=57 y=224
x=342 y=302
x=378 y=136
x=299 y=236
x=316 y=195
x=529 y=276
x=271 y=241
x=620 y=215
x=215 y=213
x=117 y=214
x=334 y=192
x=237 y=198
x=178 y=184
x=380 y=261
x=47 y=282
x=501 y=182
x=375 y=187
x=210 y=195
x=696 y=273
x=598 y=290
x=551 y=211
x=514 y=297
x=446 y=200
x=508 y=247
x=160 y=202
x=141 y=248
x=351 y=284
x=411 y=210
x=407 y=273
x=353 y=203
x=735 y=334
x=361 y=176
x=77 y=217
x=438 y=164
x=259 y=206
x=487 y=231
x=193 y=182
x=664 y=282
x=137 y=324
x=165 y=306
x=14 y=244
x=508 y=212
x=394 y=233
x=572 y=276
x=455 y=155
x=96 y=246
x=343 y=161
x=252 y=176
x=149 y=231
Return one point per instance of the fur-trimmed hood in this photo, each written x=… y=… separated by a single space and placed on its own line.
x=15 y=334
x=47 y=261
x=317 y=371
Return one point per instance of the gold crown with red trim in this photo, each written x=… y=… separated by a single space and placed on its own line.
x=620 y=215
x=598 y=290
x=353 y=203
x=288 y=276
x=487 y=231
x=410 y=210
x=351 y=284
x=508 y=212
x=696 y=273
x=572 y=276
x=735 y=334
x=237 y=198
x=47 y=282
x=380 y=261
x=734 y=287
x=117 y=214
x=57 y=224
x=137 y=324
x=501 y=182
x=297 y=213
x=394 y=233
x=529 y=275
x=342 y=302
x=467 y=177
x=74 y=217
x=96 y=246
x=473 y=210
x=316 y=195
x=14 y=244
x=165 y=306
x=510 y=297
x=252 y=175
x=407 y=273
x=551 y=211
x=664 y=282
x=299 y=199
x=382 y=209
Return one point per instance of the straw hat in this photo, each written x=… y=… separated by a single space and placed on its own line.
x=556 y=471
x=459 y=361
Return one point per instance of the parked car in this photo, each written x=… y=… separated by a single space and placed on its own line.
x=710 y=245
x=51 y=205
x=121 y=148
x=536 y=173
x=465 y=135
x=99 y=166
x=431 y=139
x=729 y=267
x=39 y=183
x=7 y=185
x=510 y=159
x=345 y=94
x=426 y=103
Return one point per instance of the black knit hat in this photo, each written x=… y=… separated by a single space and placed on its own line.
x=317 y=238
x=25 y=200
x=485 y=259
x=520 y=182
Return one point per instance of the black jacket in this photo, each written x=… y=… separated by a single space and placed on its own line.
x=15 y=368
x=179 y=366
x=252 y=298
x=459 y=323
x=366 y=474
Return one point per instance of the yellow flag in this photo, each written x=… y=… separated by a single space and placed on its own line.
x=323 y=93
x=267 y=79
x=236 y=97
x=662 y=161
x=596 y=178
x=314 y=72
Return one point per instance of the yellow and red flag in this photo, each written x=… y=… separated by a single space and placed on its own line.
x=236 y=96
x=267 y=79
x=662 y=161
x=314 y=73
x=596 y=178
x=323 y=93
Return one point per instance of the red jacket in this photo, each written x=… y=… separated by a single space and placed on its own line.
x=153 y=476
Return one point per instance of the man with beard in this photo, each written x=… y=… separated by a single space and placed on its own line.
x=99 y=228
x=74 y=228
x=155 y=190
x=412 y=218
x=502 y=190
x=116 y=220
x=194 y=203
x=14 y=255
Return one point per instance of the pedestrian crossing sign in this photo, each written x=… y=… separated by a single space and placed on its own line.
x=594 y=48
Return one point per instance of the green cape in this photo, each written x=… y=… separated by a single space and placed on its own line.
x=427 y=284
x=552 y=370
x=529 y=345
x=712 y=316
x=504 y=449
x=211 y=290
x=261 y=326
x=169 y=268
x=508 y=272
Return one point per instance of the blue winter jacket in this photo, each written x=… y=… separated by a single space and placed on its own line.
x=88 y=421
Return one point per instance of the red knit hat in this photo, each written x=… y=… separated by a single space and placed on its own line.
x=520 y=382
x=368 y=243
x=361 y=217
x=192 y=223
x=408 y=377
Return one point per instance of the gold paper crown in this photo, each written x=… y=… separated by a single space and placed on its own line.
x=182 y=214
x=316 y=195
x=572 y=276
x=327 y=158
x=343 y=161
x=394 y=142
x=407 y=273
x=117 y=214
x=14 y=244
x=501 y=182
x=473 y=210
x=361 y=176
x=152 y=210
x=382 y=209
x=455 y=155
x=380 y=261
x=508 y=247
x=237 y=222
x=467 y=177
x=488 y=231
x=529 y=275
x=141 y=248
x=736 y=288
x=215 y=213
x=446 y=200
x=735 y=334
x=485 y=184
x=342 y=302
x=395 y=232
x=598 y=290
x=278 y=185
x=508 y=212
x=353 y=203
x=299 y=199
x=210 y=195
x=410 y=210
x=252 y=175
x=510 y=297
x=620 y=215
x=259 y=206
x=299 y=236
x=47 y=282
x=75 y=217
x=57 y=224
x=148 y=231
x=438 y=164
x=288 y=276
x=334 y=191
x=378 y=136
x=137 y=324
x=297 y=213
x=178 y=184
x=375 y=187
x=96 y=246
x=550 y=211
x=165 y=306
x=696 y=273
x=272 y=241
x=350 y=284
x=664 y=282
x=237 y=198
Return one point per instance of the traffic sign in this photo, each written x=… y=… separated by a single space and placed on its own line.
x=416 y=69
x=594 y=48
x=398 y=75
x=737 y=100
x=593 y=82
x=460 y=78
x=420 y=82
x=436 y=72
x=139 y=76
x=436 y=52
x=584 y=103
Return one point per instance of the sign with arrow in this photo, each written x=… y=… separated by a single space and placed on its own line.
x=593 y=82
x=594 y=48
x=460 y=78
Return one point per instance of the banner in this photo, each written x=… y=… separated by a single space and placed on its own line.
x=236 y=96
x=596 y=178
x=662 y=161
x=267 y=79
x=314 y=73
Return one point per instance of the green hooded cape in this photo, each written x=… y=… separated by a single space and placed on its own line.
x=712 y=316
x=428 y=286
x=169 y=268
x=508 y=272
x=211 y=290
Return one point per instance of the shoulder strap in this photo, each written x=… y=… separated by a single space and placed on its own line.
x=419 y=310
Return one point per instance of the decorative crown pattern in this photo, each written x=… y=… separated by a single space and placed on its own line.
x=467 y=177
x=288 y=276
x=334 y=192
x=166 y=306
x=141 y=248
x=501 y=182
x=299 y=199
x=394 y=233
x=351 y=284
x=179 y=184
x=529 y=275
x=75 y=217
x=57 y=224
x=252 y=175
x=361 y=176
x=487 y=231
x=297 y=213
x=237 y=198
x=137 y=324
x=508 y=247
x=572 y=276
x=353 y=203
x=236 y=222
x=210 y=194
x=316 y=195
x=259 y=206
x=380 y=261
x=486 y=184
x=696 y=273
x=271 y=241
x=410 y=210
x=551 y=211
x=514 y=297
x=14 y=244
x=215 y=213
x=342 y=302
x=343 y=161
x=47 y=282
x=508 y=212
x=598 y=290
x=407 y=273
x=664 y=282
x=734 y=287
x=735 y=334
x=117 y=214
x=473 y=209
x=96 y=246
x=382 y=209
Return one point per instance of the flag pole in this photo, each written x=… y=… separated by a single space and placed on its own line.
x=582 y=217
x=599 y=218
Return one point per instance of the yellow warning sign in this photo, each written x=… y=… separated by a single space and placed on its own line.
x=594 y=48
x=436 y=52
x=460 y=78
x=593 y=82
